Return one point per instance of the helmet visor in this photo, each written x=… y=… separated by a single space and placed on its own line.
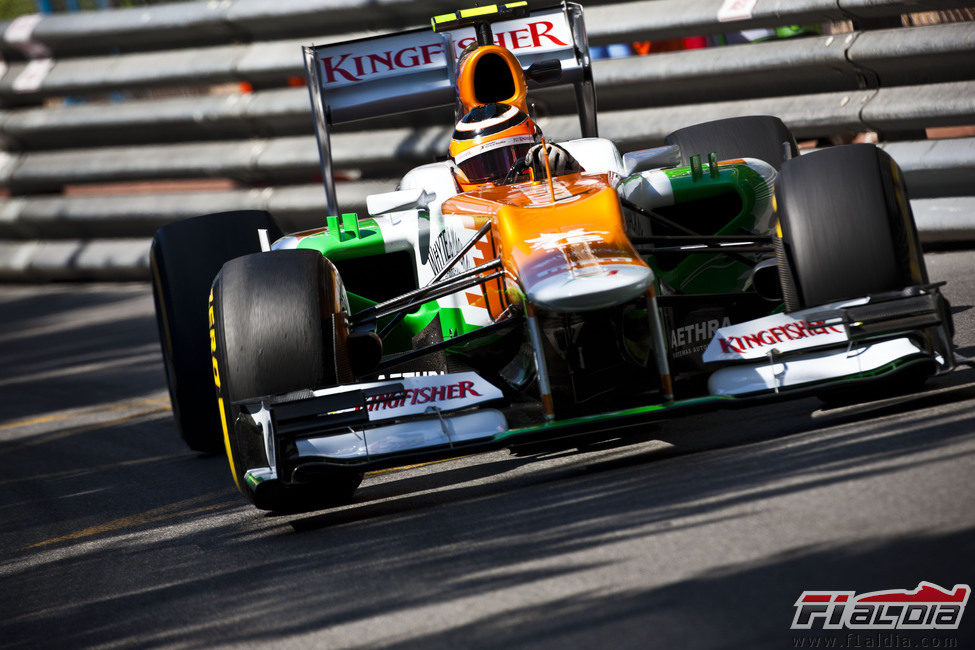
x=493 y=165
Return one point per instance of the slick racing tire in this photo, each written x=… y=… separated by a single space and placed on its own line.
x=184 y=258
x=755 y=136
x=846 y=231
x=846 y=227
x=277 y=327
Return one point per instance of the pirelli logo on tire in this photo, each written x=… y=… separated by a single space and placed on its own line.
x=213 y=343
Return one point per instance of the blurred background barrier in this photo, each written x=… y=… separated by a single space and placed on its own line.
x=116 y=121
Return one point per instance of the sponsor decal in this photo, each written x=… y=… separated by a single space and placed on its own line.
x=540 y=195
x=775 y=335
x=574 y=262
x=929 y=607
x=446 y=246
x=559 y=240
x=477 y=150
x=780 y=332
x=694 y=337
x=355 y=67
x=369 y=59
x=423 y=395
x=534 y=35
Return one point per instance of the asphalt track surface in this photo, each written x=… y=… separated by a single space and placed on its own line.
x=702 y=536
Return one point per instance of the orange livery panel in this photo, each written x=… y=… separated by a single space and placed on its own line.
x=570 y=254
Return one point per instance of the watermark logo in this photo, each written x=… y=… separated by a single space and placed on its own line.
x=929 y=607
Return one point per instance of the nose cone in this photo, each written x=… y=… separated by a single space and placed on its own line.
x=572 y=254
x=588 y=288
x=563 y=244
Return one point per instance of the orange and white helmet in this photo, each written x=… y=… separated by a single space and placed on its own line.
x=489 y=140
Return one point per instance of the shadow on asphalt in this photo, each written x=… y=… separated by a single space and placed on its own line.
x=398 y=552
x=453 y=536
x=735 y=607
x=53 y=359
x=726 y=429
x=780 y=452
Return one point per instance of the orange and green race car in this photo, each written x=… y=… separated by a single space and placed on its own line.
x=548 y=301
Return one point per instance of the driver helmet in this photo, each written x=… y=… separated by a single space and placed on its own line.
x=489 y=140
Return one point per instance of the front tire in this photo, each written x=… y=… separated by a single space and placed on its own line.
x=846 y=231
x=278 y=328
x=846 y=227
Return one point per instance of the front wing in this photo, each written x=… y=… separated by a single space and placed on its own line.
x=376 y=425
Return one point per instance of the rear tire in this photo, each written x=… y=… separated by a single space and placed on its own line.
x=755 y=136
x=184 y=258
x=847 y=229
x=278 y=328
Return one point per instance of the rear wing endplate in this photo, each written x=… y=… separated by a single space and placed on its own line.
x=408 y=71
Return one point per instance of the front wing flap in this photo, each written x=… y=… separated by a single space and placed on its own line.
x=855 y=339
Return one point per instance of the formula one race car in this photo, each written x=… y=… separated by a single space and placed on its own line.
x=542 y=303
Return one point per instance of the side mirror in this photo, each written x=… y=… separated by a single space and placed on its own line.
x=646 y=159
x=399 y=201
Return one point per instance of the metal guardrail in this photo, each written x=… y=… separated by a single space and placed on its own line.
x=941 y=50
x=205 y=23
x=932 y=169
x=897 y=81
x=294 y=158
x=798 y=66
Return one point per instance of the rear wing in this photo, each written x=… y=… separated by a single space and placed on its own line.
x=408 y=71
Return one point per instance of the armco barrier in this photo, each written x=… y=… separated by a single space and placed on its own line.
x=895 y=80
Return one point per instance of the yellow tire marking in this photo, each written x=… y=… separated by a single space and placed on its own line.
x=226 y=443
